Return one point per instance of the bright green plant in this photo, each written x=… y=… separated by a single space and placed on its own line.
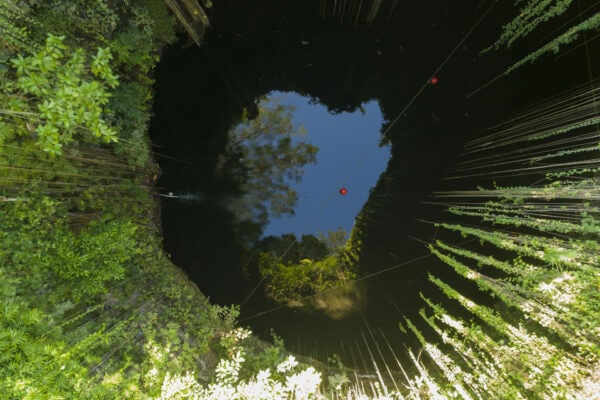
x=554 y=46
x=531 y=14
x=95 y=257
x=26 y=229
x=292 y=282
x=59 y=94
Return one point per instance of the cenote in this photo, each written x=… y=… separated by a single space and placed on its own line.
x=346 y=64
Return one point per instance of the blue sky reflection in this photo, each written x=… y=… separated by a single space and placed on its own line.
x=349 y=156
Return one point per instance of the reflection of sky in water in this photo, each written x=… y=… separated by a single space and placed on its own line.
x=349 y=156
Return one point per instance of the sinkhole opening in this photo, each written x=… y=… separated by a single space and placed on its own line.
x=385 y=131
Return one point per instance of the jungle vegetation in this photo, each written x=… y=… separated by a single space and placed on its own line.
x=294 y=269
x=91 y=307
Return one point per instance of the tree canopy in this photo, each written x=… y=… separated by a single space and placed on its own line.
x=271 y=153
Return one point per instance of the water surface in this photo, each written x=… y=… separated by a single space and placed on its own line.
x=257 y=48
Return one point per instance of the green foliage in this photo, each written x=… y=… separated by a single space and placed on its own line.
x=538 y=261
x=54 y=99
x=157 y=21
x=285 y=282
x=532 y=14
x=506 y=213
x=37 y=242
x=295 y=270
x=554 y=46
x=66 y=271
x=35 y=362
x=89 y=297
x=95 y=257
x=262 y=355
x=32 y=367
x=564 y=128
x=135 y=31
x=136 y=50
x=130 y=110
x=26 y=230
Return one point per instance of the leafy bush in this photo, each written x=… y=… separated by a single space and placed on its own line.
x=26 y=232
x=96 y=257
x=289 y=282
x=59 y=94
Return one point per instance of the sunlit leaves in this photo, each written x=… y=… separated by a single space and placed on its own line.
x=532 y=14
x=62 y=99
x=554 y=46
x=100 y=67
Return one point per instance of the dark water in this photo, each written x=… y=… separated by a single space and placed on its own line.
x=254 y=48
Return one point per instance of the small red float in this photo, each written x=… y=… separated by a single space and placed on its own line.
x=434 y=80
x=343 y=191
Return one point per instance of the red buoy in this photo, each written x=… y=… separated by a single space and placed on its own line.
x=434 y=80
x=343 y=191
